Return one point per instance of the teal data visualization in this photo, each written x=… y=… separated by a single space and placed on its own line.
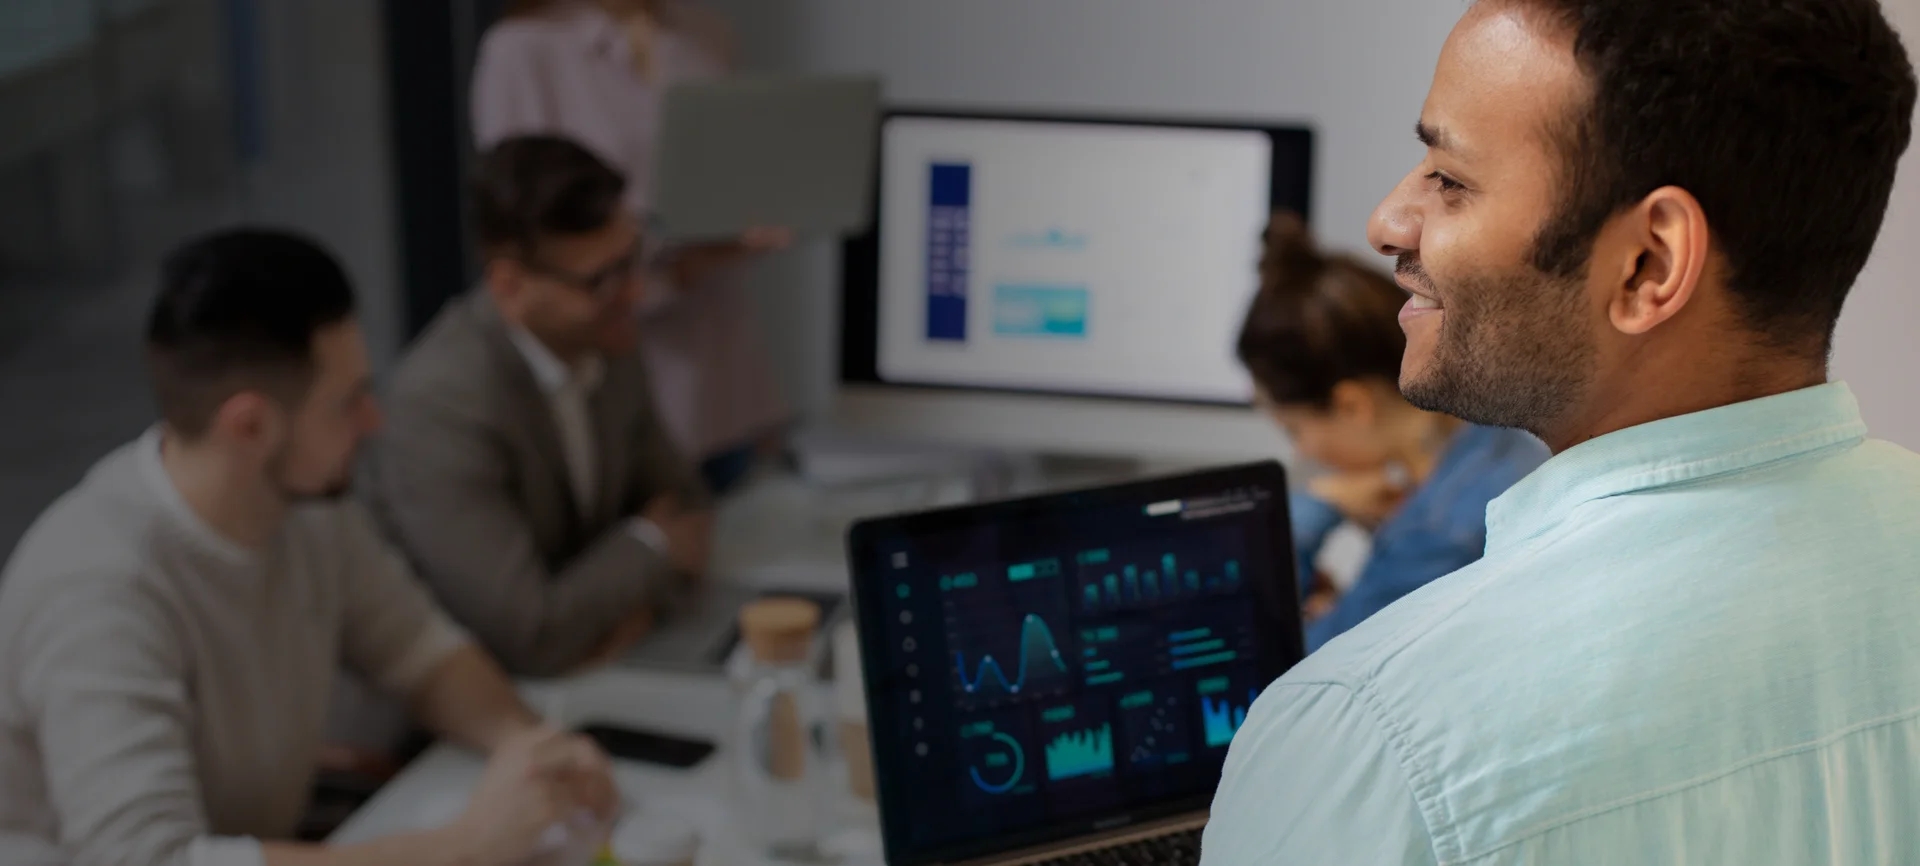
x=1007 y=633
x=1051 y=670
x=994 y=750
x=1224 y=703
x=1079 y=740
x=1156 y=572
x=1156 y=726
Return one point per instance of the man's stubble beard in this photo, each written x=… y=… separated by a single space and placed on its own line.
x=1513 y=351
x=334 y=491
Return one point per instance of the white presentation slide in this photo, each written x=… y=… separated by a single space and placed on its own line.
x=1069 y=257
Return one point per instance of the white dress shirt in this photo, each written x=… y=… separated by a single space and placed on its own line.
x=568 y=390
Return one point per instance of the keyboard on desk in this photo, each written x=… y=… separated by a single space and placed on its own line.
x=1174 y=849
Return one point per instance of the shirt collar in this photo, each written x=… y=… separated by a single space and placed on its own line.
x=552 y=374
x=190 y=523
x=1675 y=450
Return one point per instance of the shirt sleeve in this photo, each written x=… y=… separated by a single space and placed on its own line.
x=106 y=685
x=660 y=465
x=662 y=292
x=1313 y=779
x=392 y=633
x=451 y=505
x=508 y=97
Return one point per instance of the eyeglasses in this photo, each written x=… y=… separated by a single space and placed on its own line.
x=602 y=284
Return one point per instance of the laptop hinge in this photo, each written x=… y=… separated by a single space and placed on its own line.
x=1091 y=842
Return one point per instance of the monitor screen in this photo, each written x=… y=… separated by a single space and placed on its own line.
x=1042 y=669
x=1103 y=258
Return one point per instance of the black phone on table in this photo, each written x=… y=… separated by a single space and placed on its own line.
x=652 y=747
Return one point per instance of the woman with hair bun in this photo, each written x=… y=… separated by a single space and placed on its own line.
x=1322 y=341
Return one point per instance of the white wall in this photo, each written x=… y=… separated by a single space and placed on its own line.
x=1355 y=70
x=1877 y=349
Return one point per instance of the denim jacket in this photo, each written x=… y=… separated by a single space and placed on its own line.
x=1439 y=529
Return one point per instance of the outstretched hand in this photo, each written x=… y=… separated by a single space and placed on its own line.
x=694 y=264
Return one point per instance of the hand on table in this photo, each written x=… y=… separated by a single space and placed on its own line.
x=534 y=780
x=689 y=533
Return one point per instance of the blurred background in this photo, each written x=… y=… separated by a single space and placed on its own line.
x=131 y=124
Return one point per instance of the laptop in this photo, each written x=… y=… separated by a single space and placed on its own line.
x=1057 y=679
x=793 y=152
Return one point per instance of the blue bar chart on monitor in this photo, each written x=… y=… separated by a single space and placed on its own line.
x=949 y=225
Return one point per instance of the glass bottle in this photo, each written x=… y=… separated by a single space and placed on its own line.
x=777 y=762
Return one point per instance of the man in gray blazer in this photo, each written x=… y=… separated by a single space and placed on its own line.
x=523 y=467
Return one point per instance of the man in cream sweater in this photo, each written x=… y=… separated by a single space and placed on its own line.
x=170 y=629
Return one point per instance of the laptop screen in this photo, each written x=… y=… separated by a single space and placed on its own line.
x=1048 y=668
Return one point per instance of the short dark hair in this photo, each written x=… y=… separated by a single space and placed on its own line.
x=1318 y=320
x=531 y=187
x=1786 y=119
x=237 y=311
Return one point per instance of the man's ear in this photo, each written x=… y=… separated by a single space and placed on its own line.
x=248 y=419
x=1659 y=259
x=505 y=280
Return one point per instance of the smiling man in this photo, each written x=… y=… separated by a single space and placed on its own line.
x=1690 y=639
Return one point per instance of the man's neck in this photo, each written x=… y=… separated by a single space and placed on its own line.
x=568 y=355
x=1683 y=389
x=235 y=503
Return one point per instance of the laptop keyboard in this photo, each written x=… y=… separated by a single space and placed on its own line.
x=1174 y=849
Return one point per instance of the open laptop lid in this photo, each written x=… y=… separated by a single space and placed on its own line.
x=794 y=152
x=1050 y=668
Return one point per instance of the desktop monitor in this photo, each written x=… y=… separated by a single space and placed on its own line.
x=1059 y=282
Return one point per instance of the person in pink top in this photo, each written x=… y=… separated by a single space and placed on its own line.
x=595 y=71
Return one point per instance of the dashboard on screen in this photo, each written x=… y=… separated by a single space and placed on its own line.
x=1045 y=668
x=1090 y=257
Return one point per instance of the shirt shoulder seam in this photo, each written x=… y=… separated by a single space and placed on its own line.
x=1422 y=786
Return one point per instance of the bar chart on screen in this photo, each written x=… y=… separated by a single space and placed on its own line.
x=1224 y=703
x=1079 y=740
x=1152 y=574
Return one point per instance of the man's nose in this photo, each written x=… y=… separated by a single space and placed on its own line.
x=1394 y=228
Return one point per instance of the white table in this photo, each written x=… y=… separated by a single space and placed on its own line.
x=432 y=789
x=779 y=533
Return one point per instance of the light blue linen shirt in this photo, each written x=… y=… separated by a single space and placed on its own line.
x=1696 y=641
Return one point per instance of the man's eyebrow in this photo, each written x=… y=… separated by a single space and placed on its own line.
x=1434 y=137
